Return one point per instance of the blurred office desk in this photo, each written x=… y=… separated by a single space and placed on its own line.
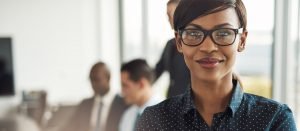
x=18 y=123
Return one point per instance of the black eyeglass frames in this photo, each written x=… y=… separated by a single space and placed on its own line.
x=220 y=36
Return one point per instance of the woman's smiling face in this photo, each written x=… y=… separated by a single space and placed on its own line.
x=208 y=61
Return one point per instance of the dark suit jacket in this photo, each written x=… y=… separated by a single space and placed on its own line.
x=173 y=62
x=80 y=121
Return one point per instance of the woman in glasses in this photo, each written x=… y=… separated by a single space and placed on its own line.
x=209 y=34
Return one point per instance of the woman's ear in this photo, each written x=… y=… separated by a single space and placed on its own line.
x=242 y=42
x=178 y=42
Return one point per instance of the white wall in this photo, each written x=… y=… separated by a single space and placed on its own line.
x=55 y=42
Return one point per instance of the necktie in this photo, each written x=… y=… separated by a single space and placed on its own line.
x=138 y=115
x=98 y=127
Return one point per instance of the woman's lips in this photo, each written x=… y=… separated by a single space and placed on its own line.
x=209 y=62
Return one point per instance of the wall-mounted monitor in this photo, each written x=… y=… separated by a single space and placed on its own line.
x=6 y=67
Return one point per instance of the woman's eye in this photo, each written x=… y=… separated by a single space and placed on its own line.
x=194 y=34
x=223 y=34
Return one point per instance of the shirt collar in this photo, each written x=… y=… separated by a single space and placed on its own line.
x=236 y=99
x=188 y=102
x=107 y=98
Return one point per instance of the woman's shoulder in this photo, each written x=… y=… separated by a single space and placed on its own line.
x=260 y=100
x=262 y=103
x=167 y=109
x=277 y=114
x=162 y=114
x=170 y=103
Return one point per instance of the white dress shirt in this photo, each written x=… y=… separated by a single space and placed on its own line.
x=128 y=119
x=106 y=104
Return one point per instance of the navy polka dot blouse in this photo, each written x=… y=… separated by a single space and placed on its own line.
x=245 y=112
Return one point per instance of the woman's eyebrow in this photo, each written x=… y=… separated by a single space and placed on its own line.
x=222 y=25
x=192 y=26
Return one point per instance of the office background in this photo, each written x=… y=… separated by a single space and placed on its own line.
x=55 y=42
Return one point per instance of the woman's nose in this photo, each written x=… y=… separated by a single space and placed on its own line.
x=208 y=45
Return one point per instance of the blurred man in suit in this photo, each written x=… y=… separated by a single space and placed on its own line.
x=137 y=79
x=103 y=111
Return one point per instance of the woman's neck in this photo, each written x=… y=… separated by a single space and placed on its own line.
x=211 y=97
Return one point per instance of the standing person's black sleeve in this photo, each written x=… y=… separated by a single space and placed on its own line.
x=164 y=62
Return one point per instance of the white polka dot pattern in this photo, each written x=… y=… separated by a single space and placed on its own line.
x=245 y=112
